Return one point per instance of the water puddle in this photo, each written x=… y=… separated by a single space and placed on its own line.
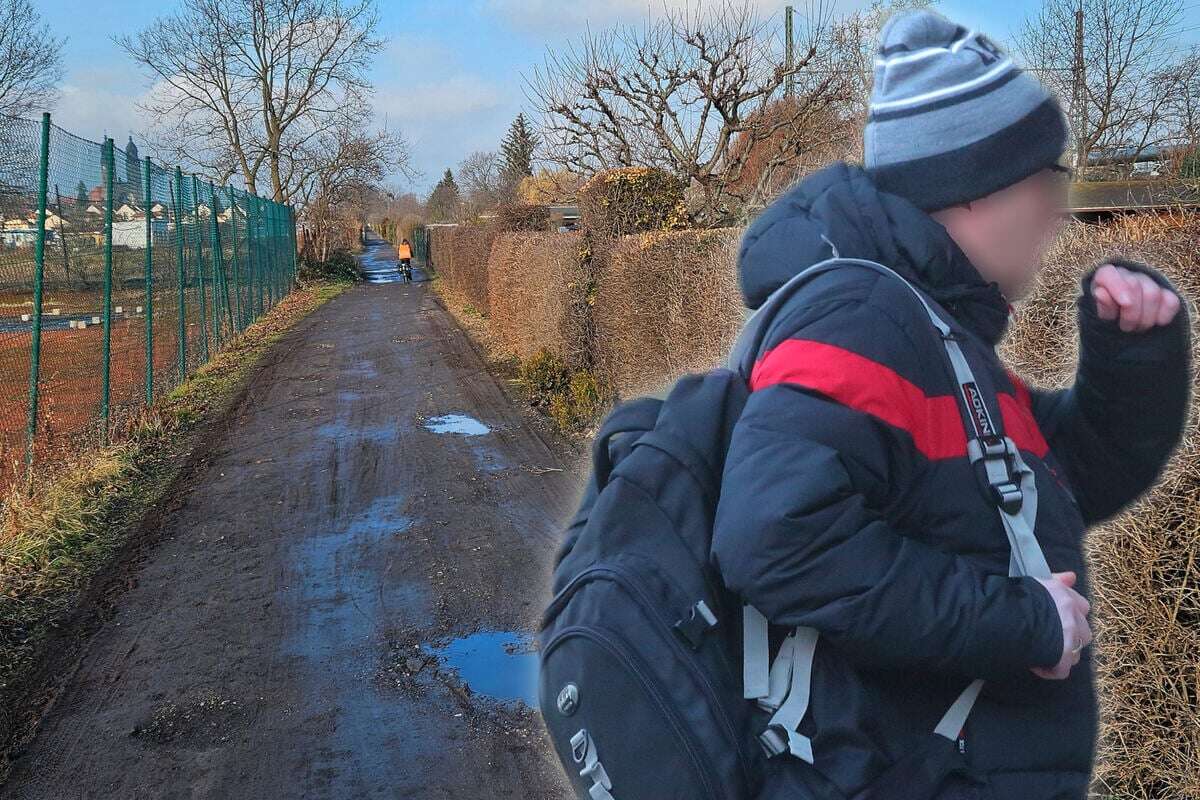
x=457 y=423
x=488 y=460
x=382 y=517
x=382 y=434
x=502 y=665
x=378 y=263
x=347 y=596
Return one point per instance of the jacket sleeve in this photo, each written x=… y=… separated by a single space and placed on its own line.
x=799 y=532
x=1116 y=427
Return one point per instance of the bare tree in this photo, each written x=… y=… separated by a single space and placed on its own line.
x=480 y=181
x=30 y=60
x=1105 y=59
x=691 y=93
x=854 y=41
x=1181 y=87
x=241 y=84
x=345 y=168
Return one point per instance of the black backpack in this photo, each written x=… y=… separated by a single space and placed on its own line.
x=654 y=680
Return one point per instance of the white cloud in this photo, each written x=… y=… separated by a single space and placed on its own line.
x=92 y=107
x=443 y=109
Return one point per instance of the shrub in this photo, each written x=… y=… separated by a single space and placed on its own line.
x=666 y=304
x=632 y=200
x=523 y=217
x=340 y=266
x=573 y=400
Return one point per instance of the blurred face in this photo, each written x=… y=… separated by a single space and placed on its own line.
x=1006 y=234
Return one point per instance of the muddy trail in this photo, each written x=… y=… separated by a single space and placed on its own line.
x=339 y=603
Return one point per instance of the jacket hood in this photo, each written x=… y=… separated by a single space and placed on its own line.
x=839 y=209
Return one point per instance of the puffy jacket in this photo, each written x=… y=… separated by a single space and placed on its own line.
x=849 y=504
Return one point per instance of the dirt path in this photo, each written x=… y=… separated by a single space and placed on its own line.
x=276 y=641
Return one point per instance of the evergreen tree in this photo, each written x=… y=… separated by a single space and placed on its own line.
x=516 y=154
x=444 y=200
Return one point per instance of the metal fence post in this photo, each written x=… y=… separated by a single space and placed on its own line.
x=149 y=276
x=269 y=235
x=276 y=256
x=292 y=236
x=237 y=273
x=108 y=230
x=272 y=289
x=39 y=261
x=180 y=271
x=214 y=252
x=200 y=267
x=252 y=254
x=219 y=260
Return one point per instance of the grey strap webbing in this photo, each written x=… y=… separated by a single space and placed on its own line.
x=1015 y=501
x=756 y=654
x=583 y=750
x=795 y=657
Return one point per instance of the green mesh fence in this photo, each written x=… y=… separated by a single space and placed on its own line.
x=138 y=275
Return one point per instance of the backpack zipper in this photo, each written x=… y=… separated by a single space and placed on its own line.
x=619 y=577
x=626 y=656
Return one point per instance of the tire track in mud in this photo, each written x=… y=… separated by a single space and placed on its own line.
x=275 y=641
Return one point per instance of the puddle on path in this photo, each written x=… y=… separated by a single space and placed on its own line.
x=382 y=434
x=378 y=263
x=502 y=665
x=488 y=460
x=457 y=423
x=346 y=599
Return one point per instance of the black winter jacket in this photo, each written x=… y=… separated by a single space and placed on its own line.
x=849 y=504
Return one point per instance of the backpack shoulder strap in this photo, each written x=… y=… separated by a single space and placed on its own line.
x=631 y=417
x=1010 y=480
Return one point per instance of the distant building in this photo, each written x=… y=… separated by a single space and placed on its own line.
x=564 y=217
x=127 y=212
x=132 y=233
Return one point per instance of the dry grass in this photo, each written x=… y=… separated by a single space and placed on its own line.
x=666 y=304
x=1146 y=562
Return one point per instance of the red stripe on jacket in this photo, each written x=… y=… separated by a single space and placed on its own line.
x=858 y=382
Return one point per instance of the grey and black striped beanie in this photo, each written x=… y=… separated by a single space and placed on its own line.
x=952 y=118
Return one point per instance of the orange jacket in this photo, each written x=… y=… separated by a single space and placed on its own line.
x=405 y=251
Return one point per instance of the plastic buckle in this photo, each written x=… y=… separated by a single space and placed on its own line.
x=1008 y=497
x=1007 y=494
x=994 y=446
x=699 y=620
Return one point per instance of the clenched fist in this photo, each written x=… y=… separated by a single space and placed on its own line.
x=1132 y=298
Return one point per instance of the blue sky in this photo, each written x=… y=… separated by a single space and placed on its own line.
x=450 y=77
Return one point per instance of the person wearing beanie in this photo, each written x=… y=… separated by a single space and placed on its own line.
x=851 y=503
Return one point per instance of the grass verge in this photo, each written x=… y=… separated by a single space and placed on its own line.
x=58 y=539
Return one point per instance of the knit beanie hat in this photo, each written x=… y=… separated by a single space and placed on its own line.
x=952 y=118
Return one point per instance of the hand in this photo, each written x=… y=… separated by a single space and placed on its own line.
x=1072 y=610
x=1132 y=297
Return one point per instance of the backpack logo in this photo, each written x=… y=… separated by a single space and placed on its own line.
x=979 y=412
